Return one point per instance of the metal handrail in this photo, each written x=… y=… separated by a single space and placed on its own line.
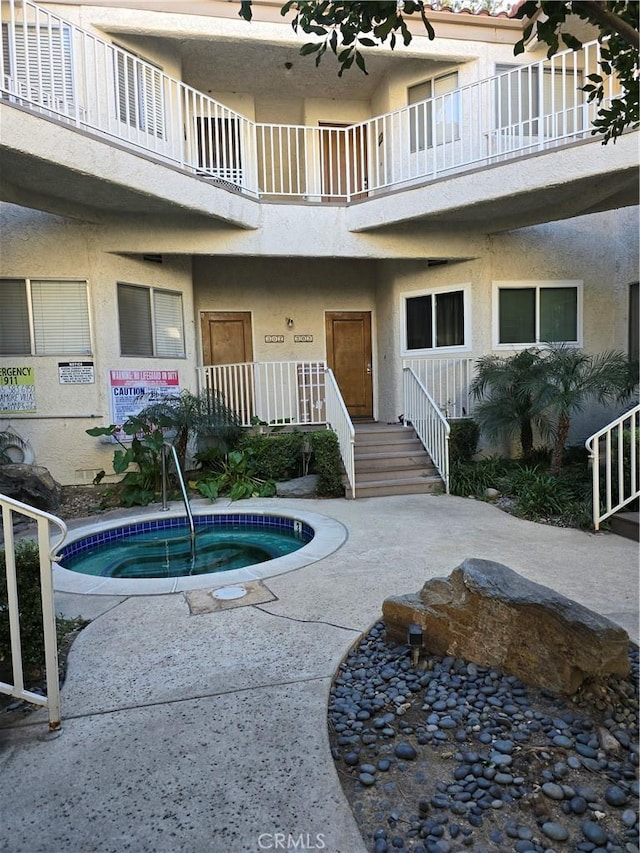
x=623 y=464
x=430 y=425
x=46 y=551
x=166 y=447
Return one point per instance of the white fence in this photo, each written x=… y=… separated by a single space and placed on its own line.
x=54 y=67
x=277 y=393
x=52 y=700
x=428 y=421
x=613 y=452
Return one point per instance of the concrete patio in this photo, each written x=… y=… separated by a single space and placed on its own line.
x=208 y=733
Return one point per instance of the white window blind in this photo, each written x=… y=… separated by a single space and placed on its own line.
x=437 y=119
x=38 y=61
x=139 y=93
x=168 y=323
x=60 y=317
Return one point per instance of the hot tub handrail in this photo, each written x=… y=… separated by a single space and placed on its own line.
x=185 y=497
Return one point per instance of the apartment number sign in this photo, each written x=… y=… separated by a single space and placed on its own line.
x=274 y=339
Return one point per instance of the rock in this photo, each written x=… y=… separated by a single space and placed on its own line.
x=300 y=487
x=405 y=751
x=487 y=613
x=491 y=494
x=30 y=484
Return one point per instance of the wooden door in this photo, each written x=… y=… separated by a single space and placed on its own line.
x=339 y=149
x=349 y=356
x=226 y=337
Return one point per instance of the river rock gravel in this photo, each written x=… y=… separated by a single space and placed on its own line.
x=450 y=756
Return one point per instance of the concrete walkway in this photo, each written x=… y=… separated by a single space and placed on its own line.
x=207 y=733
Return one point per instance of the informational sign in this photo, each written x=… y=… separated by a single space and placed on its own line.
x=17 y=389
x=133 y=390
x=76 y=372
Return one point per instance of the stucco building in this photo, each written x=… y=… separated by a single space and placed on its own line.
x=181 y=189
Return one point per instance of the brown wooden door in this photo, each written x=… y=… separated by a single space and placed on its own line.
x=226 y=337
x=349 y=356
x=338 y=150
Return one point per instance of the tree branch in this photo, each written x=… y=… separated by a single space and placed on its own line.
x=597 y=11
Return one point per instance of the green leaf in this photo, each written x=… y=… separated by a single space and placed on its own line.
x=309 y=48
x=571 y=41
x=360 y=62
x=245 y=10
x=96 y=432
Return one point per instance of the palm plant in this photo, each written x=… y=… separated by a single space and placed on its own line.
x=193 y=415
x=506 y=406
x=569 y=379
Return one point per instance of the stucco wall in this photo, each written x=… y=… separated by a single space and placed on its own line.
x=37 y=245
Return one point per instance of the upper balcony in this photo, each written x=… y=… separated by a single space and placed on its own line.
x=86 y=124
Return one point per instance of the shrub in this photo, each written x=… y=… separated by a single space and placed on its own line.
x=474 y=478
x=277 y=456
x=30 y=611
x=326 y=462
x=463 y=440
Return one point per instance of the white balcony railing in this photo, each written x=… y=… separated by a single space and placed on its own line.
x=613 y=451
x=17 y=689
x=55 y=68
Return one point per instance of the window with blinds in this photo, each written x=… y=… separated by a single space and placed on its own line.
x=38 y=63
x=139 y=93
x=151 y=322
x=523 y=96
x=439 y=118
x=40 y=317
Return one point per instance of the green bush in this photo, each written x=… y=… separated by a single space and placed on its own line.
x=277 y=456
x=30 y=611
x=474 y=478
x=326 y=462
x=463 y=440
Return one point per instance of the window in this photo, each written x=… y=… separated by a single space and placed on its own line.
x=150 y=322
x=38 y=63
x=524 y=95
x=139 y=98
x=435 y=320
x=530 y=313
x=439 y=117
x=44 y=317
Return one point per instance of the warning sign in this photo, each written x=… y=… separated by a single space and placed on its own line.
x=17 y=389
x=76 y=372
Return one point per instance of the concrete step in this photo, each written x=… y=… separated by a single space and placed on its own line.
x=413 y=486
x=398 y=462
x=411 y=445
x=396 y=474
x=625 y=524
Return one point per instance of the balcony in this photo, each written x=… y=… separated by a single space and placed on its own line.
x=218 y=163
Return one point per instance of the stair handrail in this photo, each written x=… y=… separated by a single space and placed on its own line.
x=339 y=421
x=169 y=447
x=47 y=557
x=624 y=463
x=428 y=421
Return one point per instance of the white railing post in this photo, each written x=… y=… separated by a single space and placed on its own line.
x=52 y=700
x=625 y=464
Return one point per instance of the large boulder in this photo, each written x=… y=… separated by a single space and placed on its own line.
x=30 y=484
x=300 y=487
x=486 y=613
